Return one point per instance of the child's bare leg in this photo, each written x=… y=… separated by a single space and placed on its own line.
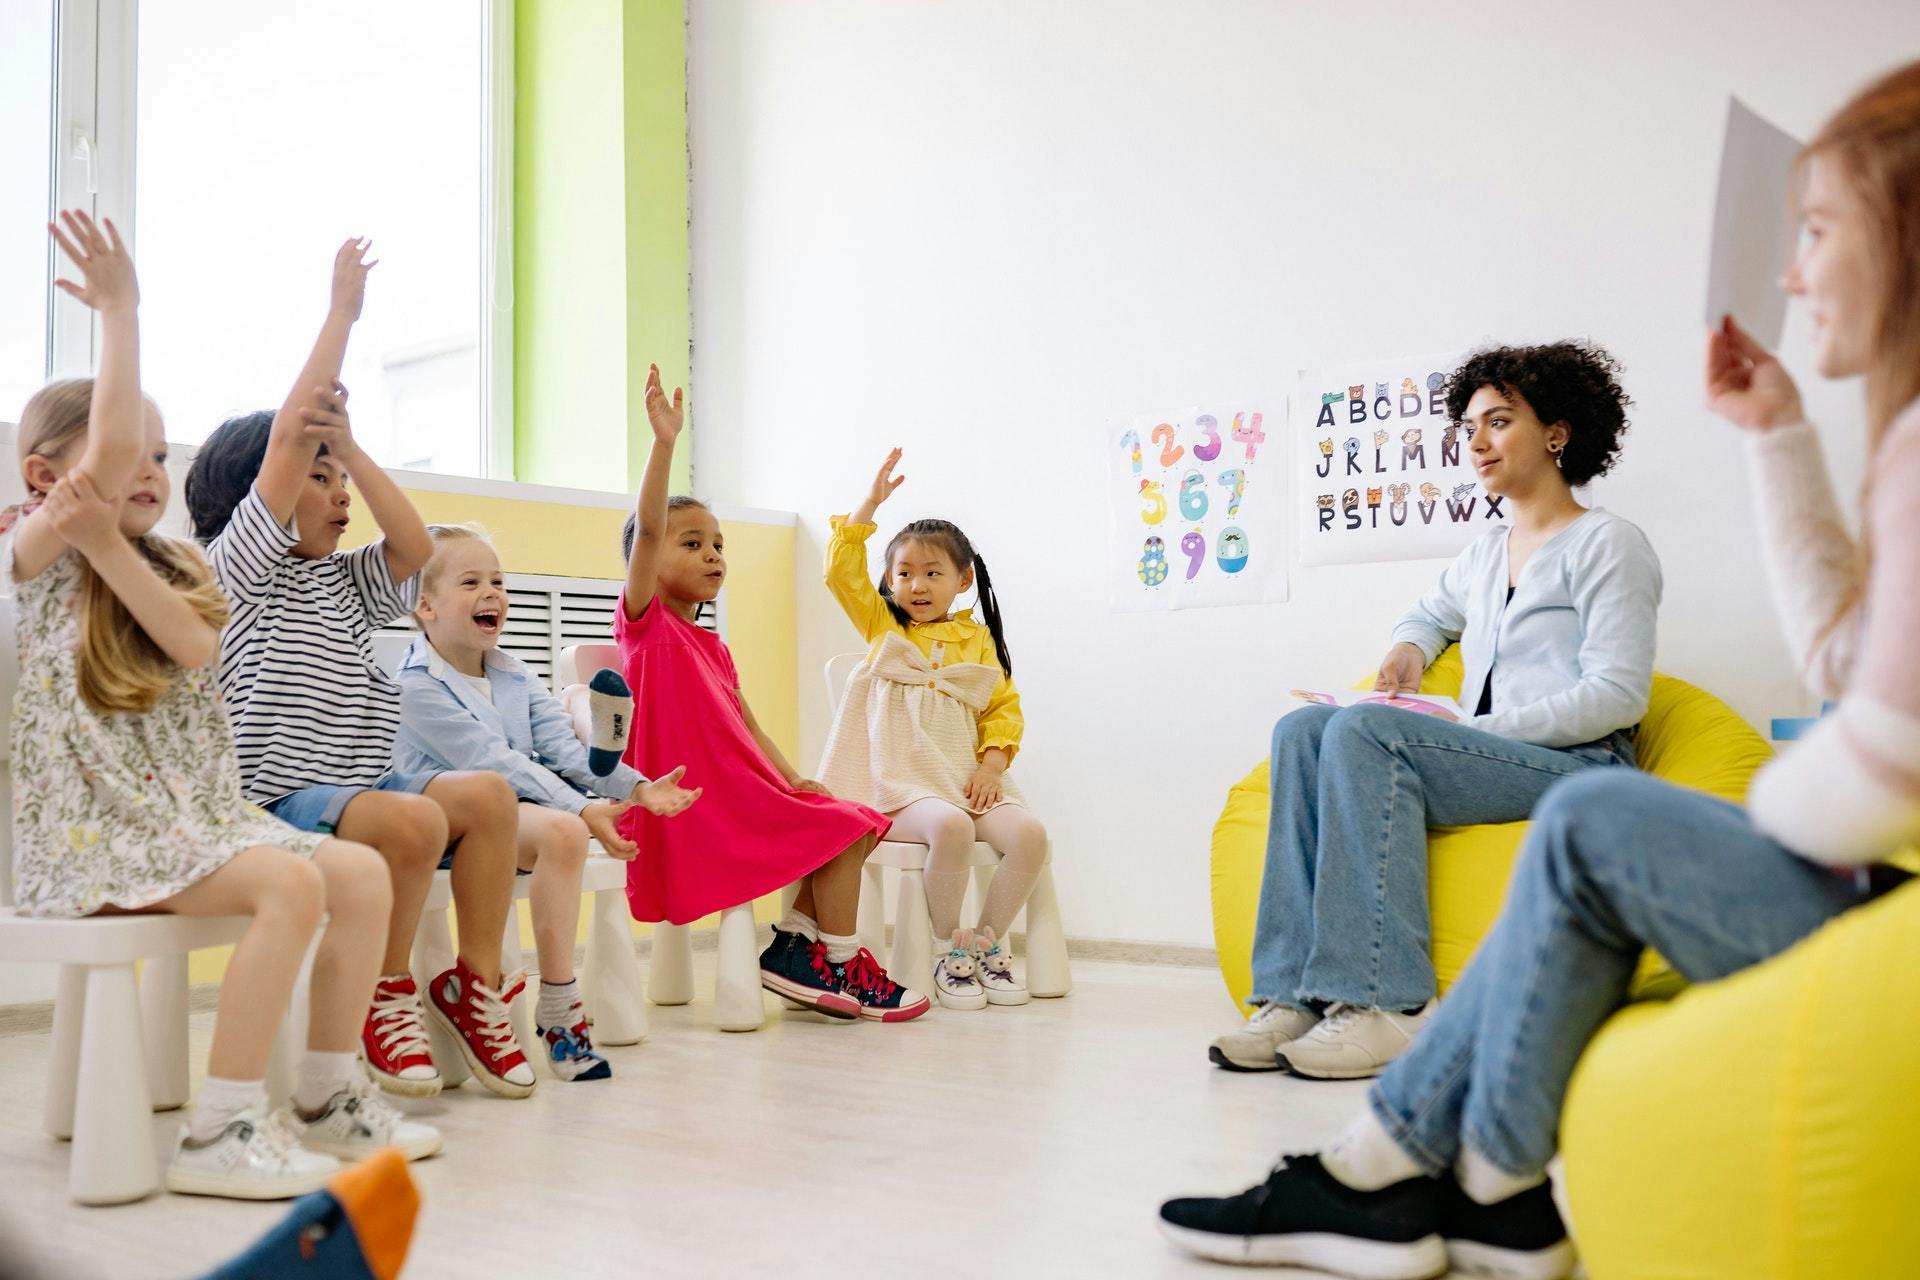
x=482 y=824
x=834 y=889
x=410 y=832
x=553 y=845
x=359 y=901
x=284 y=894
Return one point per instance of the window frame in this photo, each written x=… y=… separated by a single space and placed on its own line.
x=96 y=150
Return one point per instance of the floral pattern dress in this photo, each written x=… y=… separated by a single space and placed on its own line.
x=115 y=808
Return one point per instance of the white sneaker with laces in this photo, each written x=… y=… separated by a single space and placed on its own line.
x=956 y=980
x=1251 y=1045
x=1352 y=1042
x=356 y=1122
x=996 y=971
x=256 y=1157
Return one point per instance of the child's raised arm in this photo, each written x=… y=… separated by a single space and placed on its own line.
x=650 y=519
x=290 y=447
x=116 y=433
x=408 y=544
x=847 y=576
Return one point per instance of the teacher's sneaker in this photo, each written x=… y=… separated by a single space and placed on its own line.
x=1252 y=1045
x=475 y=1016
x=795 y=968
x=356 y=1122
x=1302 y=1216
x=996 y=971
x=879 y=997
x=393 y=1040
x=1519 y=1238
x=1353 y=1043
x=255 y=1157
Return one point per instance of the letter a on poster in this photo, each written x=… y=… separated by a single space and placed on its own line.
x=1380 y=474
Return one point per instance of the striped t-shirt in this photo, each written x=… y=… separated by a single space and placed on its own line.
x=310 y=706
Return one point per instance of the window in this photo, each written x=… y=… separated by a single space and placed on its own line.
x=239 y=143
x=26 y=107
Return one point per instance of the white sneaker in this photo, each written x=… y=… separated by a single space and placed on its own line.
x=356 y=1122
x=996 y=971
x=956 y=980
x=256 y=1157
x=1251 y=1045
x=1353 y=1043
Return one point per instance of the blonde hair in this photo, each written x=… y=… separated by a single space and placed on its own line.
x=466 y=531
x=118 y=666
x=1874 y=145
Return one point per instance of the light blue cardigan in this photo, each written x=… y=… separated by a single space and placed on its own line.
x=1572 y=655
x=526 y=736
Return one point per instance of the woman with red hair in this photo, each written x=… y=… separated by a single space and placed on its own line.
x=1446 y=1165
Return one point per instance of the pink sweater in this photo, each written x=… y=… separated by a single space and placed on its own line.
x=1849 y=792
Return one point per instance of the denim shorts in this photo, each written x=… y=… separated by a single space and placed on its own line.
x=319 y=808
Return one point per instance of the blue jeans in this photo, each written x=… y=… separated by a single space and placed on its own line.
x=320 y=808
x=1615 y=862
x=1343 y=903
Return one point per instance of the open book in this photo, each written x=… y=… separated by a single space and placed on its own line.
x=1427 y=704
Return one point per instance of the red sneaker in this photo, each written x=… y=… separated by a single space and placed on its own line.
x=880 y=997
x=394 y=1040
x=475 y=1015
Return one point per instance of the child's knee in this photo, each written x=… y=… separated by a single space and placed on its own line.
x=293 y=893
x=358 y=882
x=478 y=801
x=413 y=833
x=565 y=839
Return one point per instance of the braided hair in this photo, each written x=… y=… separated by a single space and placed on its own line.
x=947 y=536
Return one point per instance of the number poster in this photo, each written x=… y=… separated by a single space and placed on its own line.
x=1196 y=500
x=1381 y=473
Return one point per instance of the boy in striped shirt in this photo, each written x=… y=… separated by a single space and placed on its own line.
x=314 y=717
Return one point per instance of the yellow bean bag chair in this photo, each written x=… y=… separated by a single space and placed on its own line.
x=1762 y=1127
x=1689 y=737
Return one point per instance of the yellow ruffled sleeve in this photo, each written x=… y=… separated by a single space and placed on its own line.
x=1001 y=724
x=848 y=581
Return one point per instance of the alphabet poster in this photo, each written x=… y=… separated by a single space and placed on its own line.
x=1382 y=474
x=1196 y=500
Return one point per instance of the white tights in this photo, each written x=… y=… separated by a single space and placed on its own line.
x=949 y=833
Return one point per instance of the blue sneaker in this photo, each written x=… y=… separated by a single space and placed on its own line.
x=571 y=1055
x=797 y=970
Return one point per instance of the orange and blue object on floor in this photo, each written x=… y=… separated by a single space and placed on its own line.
x=358 y=1228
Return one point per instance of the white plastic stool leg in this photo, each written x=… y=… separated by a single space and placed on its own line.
x=113 y=1159
x=433 y=956
x=610 y=980
x=912 y=962
x=872 y=926
x=1048 y=973
x=520 y=1009
x=670 y=965
x=63 y=1053
x=290 y=1039
x=737 y=1005
x=163 y=1027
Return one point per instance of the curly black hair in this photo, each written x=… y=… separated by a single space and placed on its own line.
x=1572 y=382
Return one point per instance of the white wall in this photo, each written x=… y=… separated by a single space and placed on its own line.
x=984 y=230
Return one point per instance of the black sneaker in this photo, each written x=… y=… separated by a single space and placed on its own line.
x=1519 y=1238
x=797 y=970
x=1302 y=1216
x=878 y=996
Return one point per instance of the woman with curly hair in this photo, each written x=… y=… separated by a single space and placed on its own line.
x=1554 y=614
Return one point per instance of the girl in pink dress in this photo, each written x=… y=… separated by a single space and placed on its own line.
x=761 y=825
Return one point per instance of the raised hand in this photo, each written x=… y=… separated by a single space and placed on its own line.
x=84 y=519
x=350 y=267
x=884 y=483
x=1401 y=669
x=666 y=416
x=1746 y=385
x=665 y=796
x=326 y=422
x=106 y=268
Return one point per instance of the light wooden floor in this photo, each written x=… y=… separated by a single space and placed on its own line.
x=1025 y=1142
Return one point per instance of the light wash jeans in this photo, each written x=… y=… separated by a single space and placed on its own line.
x=1343 y=903
x=1615 y=862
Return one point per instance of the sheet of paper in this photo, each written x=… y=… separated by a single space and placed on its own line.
x=1428 y=704
x=1752 y=225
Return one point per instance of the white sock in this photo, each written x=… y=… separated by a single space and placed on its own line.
x=556 y=1002
x=801 y=923
x=840 y=947
x=610 y=704
x=1365 y=1156
x=219 y=1102
x=322 y=1075
x=1487 y=1183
